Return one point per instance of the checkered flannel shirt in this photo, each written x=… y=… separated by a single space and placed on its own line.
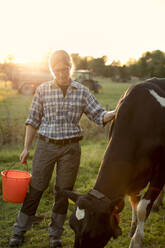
x=56 y=116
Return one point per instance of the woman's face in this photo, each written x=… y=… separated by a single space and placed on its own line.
x=62 y=74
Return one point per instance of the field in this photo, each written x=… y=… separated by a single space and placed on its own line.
x=13 y=112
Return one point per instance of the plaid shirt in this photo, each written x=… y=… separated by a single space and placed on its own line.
x=56 y=116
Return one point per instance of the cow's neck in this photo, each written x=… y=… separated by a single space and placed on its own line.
x=112 y=178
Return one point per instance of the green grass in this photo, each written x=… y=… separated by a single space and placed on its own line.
x=93 y=147
x=13 y=113
x=111 y=92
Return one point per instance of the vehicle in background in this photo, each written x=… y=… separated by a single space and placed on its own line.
x=85 y=77
x=26 y=80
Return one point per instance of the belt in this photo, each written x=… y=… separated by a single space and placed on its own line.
x=61 y=142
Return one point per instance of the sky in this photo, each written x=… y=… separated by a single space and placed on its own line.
x=119 y=29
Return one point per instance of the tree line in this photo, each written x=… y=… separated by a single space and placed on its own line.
x=150 y=64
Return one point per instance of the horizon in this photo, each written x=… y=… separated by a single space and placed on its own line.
x=42 y=59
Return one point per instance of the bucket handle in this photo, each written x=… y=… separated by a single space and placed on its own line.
x=12 y=166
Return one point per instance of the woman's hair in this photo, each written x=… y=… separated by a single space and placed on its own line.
x=59 y=56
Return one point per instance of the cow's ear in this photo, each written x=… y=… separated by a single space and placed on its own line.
x=117 y=205
x=72 y=195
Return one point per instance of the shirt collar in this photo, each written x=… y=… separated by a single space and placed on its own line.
x=54 y=85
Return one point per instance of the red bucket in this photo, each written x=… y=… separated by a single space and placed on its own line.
x=15 y=185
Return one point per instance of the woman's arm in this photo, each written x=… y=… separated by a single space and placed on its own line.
x=29 y=136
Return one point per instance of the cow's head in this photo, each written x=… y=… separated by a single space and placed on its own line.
x=94 y=220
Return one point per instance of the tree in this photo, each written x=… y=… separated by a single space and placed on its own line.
x=79 y=62
x=151 y=64
x=156 y=64
x=98 y=65
x=124 y=73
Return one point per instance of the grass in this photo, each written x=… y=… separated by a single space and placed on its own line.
x=13 y=113
x=93 y=147
x=111 y=92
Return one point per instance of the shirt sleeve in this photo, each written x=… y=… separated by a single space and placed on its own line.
x=36 y=110
x=93 y=109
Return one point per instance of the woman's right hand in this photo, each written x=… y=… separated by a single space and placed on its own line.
x=23 y=157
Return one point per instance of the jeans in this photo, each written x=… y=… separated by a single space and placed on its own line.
x=67 y=158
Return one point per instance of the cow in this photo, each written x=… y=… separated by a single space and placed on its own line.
x=134 y=158
x=159 y=201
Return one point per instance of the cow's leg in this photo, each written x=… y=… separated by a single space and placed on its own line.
x=143 y=211
x=134 y=200
x=136 y=241
x=159 y=201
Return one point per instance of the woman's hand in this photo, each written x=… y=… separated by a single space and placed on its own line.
x=23 y=157
x=109 y=115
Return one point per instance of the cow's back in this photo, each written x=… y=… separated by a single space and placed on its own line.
x=142 y=112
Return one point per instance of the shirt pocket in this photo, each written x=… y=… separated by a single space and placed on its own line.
x=74 y=112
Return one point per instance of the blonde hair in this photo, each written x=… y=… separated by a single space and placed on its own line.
x=59 y=56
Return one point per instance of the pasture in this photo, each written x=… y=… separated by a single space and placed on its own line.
x=13 y=112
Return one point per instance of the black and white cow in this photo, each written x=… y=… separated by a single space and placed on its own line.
x=134 y=158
